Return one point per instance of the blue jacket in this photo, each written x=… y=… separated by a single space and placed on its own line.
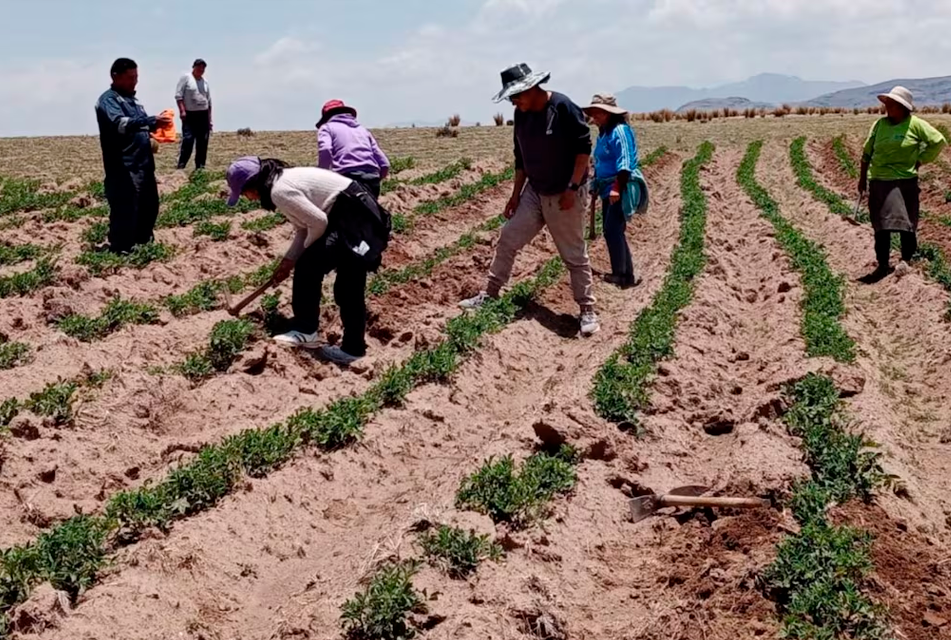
x=124 y=133
x=616 y=151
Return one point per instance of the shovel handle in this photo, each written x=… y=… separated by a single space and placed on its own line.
x=691 y=501
x=235 y=310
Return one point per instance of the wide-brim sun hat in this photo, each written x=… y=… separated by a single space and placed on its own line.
x=605 y=102
x=238 y=175
x=518 y=79
x=901 y=95
x=333 y=108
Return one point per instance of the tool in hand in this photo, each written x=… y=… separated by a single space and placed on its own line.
x=236 y=309
x=691 y=496
x=592 y=229
x=855 y=211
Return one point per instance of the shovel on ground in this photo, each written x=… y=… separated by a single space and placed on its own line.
x=691 y=496
x=234 y=310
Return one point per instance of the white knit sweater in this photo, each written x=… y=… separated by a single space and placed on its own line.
x=305 y=196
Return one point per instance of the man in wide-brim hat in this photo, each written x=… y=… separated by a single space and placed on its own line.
x=552 y=150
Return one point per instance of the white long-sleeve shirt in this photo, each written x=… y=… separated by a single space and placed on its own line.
x=305 y=195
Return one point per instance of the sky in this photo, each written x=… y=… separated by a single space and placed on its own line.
x=273 y=63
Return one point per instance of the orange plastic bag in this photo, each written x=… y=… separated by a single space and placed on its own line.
x=167 y=133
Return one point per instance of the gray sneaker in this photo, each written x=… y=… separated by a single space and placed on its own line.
x=476 y=302
x=589 y=323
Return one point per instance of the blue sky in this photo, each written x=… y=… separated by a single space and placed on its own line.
x=272 y=63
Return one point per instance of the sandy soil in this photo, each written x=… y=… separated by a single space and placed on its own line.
x=904 y=344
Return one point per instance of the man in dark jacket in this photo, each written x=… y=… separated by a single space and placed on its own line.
x=127 y=158
x=552 y=150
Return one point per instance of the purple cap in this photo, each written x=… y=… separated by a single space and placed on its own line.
x=240 y=171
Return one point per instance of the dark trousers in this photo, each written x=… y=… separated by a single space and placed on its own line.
x=133 y=207
x=371 y=182
x=317 y=261
x=615 y=226
x=196 y=130
x=883 y=246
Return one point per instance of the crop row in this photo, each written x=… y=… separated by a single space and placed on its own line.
x=384 y=609
x=820 y=572
x=441 y=175
x=823 y=304
x=54 y=401
x=488 y=181
x=844 y=157
x=70 y=555
x=620 y=386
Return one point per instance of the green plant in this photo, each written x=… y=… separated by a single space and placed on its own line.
x=844 y=157
x=399 y=165
x=803 y=171
x=96 y=233
x=466 y=192
x=620 y=386
x=823 y=304
x=54 y=401
x=228 y=339
x=458 y=552
x=72 y=213
x=264 y=223
x=20 y=284
x=441 y=175
x=217 y=231
x=9 y=409
x=16 y=253
x=382 y=610
x=103 y=263
x=202 y=297
x=818 y=575
x=13 y=354
x=196 y=367
x=116 y=314
x=24 y=195
x=506 y=495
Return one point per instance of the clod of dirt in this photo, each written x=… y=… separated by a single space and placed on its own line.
x=82 y=201
x=55 y=309
x=25 y=426
x=259 y=240
x=541 y=623
x=931 y=619
x=719 y=427
x=48 y=475
x=848 y=381
x=254 y=361
x=602 y=449
x=44 y=610
x=552 y=436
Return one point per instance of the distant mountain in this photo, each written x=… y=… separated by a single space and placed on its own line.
x=767 y=88
x=926 y=91
x=733 y=102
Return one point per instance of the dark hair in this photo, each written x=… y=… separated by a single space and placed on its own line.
x=263 y=182
x=199 y=63
x=614 y=119
x=122 y=65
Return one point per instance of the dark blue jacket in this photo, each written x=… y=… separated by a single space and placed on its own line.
x=124 y=133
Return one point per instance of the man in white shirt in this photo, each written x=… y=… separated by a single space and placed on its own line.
x=194 y=106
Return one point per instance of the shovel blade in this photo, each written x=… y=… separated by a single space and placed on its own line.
x=642 y=507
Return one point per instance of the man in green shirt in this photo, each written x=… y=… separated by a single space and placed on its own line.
x=896 y=146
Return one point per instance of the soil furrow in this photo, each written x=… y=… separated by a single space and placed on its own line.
x=140 y=423
x=409 y=457
x=904 y=348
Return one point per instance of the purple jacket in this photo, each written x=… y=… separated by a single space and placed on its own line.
x=344 y=146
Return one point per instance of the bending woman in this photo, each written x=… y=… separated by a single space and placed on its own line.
x=339 y=226
x=618 y=182
x=896 y=146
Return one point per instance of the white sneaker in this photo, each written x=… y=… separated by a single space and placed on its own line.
x=337 y=355
x=589 y=323
x=298 y=339
x=476 y=302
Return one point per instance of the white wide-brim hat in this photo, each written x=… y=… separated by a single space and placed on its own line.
x=901 y=95
x=518 y=79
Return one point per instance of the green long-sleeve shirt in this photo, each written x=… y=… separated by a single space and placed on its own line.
x=893 y=151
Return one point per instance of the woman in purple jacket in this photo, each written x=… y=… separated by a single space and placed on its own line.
x=346 y=147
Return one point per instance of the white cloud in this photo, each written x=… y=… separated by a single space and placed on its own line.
x=442 y=68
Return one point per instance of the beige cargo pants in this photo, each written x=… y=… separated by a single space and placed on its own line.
x=567 y=230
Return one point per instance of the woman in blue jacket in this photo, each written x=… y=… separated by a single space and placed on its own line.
x=618 y=182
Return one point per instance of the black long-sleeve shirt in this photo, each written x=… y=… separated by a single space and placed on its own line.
x=548 y=141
